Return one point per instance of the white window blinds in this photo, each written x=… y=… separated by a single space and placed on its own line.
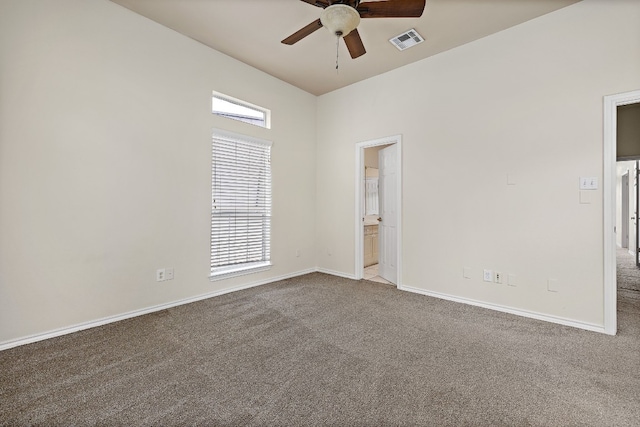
x=241 y=203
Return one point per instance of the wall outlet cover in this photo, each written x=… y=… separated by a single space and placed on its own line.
x=498 y=278
x=585 y=197
x=487 y=275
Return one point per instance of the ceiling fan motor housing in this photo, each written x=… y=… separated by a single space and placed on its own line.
x=340 y=19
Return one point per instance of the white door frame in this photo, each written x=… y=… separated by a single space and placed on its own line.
x=611 y=103
x=359 y=234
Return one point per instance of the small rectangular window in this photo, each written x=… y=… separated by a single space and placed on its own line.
x=240 y=205
x=231 y=108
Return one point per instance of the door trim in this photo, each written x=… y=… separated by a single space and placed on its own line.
x=359 y=205
x=611 y=102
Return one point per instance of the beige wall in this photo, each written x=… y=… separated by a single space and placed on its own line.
x=105 y=153
x=371 y=156
x=628 y=131
x=527 y=102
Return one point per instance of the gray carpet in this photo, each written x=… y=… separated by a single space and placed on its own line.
x=322 y=350
x=628 y=274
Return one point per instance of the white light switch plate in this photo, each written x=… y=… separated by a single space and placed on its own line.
x=588 y=183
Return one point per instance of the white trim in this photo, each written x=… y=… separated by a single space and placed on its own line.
x=503 y=309
x=234 y=271
x=239 y=137
x=611 y=103
x=111 y=319
x=359 y=232
x=336 y=273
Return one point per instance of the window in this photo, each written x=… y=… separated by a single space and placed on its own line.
x=241 y=205
x=225 y=106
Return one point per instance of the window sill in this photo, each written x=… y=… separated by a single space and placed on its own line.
x=228 y=272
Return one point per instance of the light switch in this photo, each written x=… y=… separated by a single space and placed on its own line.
x=588 y=183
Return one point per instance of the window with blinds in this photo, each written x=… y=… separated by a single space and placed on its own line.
x=241 y=205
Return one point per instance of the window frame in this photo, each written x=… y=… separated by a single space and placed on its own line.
x=237 y=117
x=233 y=270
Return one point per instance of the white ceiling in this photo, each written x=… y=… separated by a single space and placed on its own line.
x=251 y=31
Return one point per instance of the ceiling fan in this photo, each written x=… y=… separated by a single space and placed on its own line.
x=341 y=17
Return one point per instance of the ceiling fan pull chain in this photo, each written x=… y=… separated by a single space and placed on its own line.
x=337 y=51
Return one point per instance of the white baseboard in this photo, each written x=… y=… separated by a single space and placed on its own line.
x=111 y=319
x=336 y=273
x=524 y=313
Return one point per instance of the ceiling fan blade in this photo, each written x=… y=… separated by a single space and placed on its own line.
x=354 y=44
x=319 y=3
x=392 y=9
x=303 y=32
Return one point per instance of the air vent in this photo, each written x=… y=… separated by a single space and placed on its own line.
x=407 y=39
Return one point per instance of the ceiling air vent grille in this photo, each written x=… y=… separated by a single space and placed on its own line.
x=407 y=39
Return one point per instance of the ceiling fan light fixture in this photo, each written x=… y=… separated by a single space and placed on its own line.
x=340 y=19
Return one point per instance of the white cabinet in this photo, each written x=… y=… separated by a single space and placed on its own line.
x=370 y=245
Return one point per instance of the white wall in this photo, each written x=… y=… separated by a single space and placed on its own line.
x=105 y=147
x=105 y=153
x=528 y=102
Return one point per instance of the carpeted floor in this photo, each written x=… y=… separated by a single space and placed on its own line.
x=628 y=274
x=322 y=350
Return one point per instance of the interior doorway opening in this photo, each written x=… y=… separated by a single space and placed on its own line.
x=627 y=230
x=378 y=210
x=611 y=156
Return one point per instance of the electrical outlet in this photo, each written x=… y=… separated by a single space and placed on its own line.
x=498 y=277
x=161 y=275
x=488 y=275
x=168 y=274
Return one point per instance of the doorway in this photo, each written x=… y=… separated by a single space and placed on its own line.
x=378 y=210
x=611 y=104
x=627 y=268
